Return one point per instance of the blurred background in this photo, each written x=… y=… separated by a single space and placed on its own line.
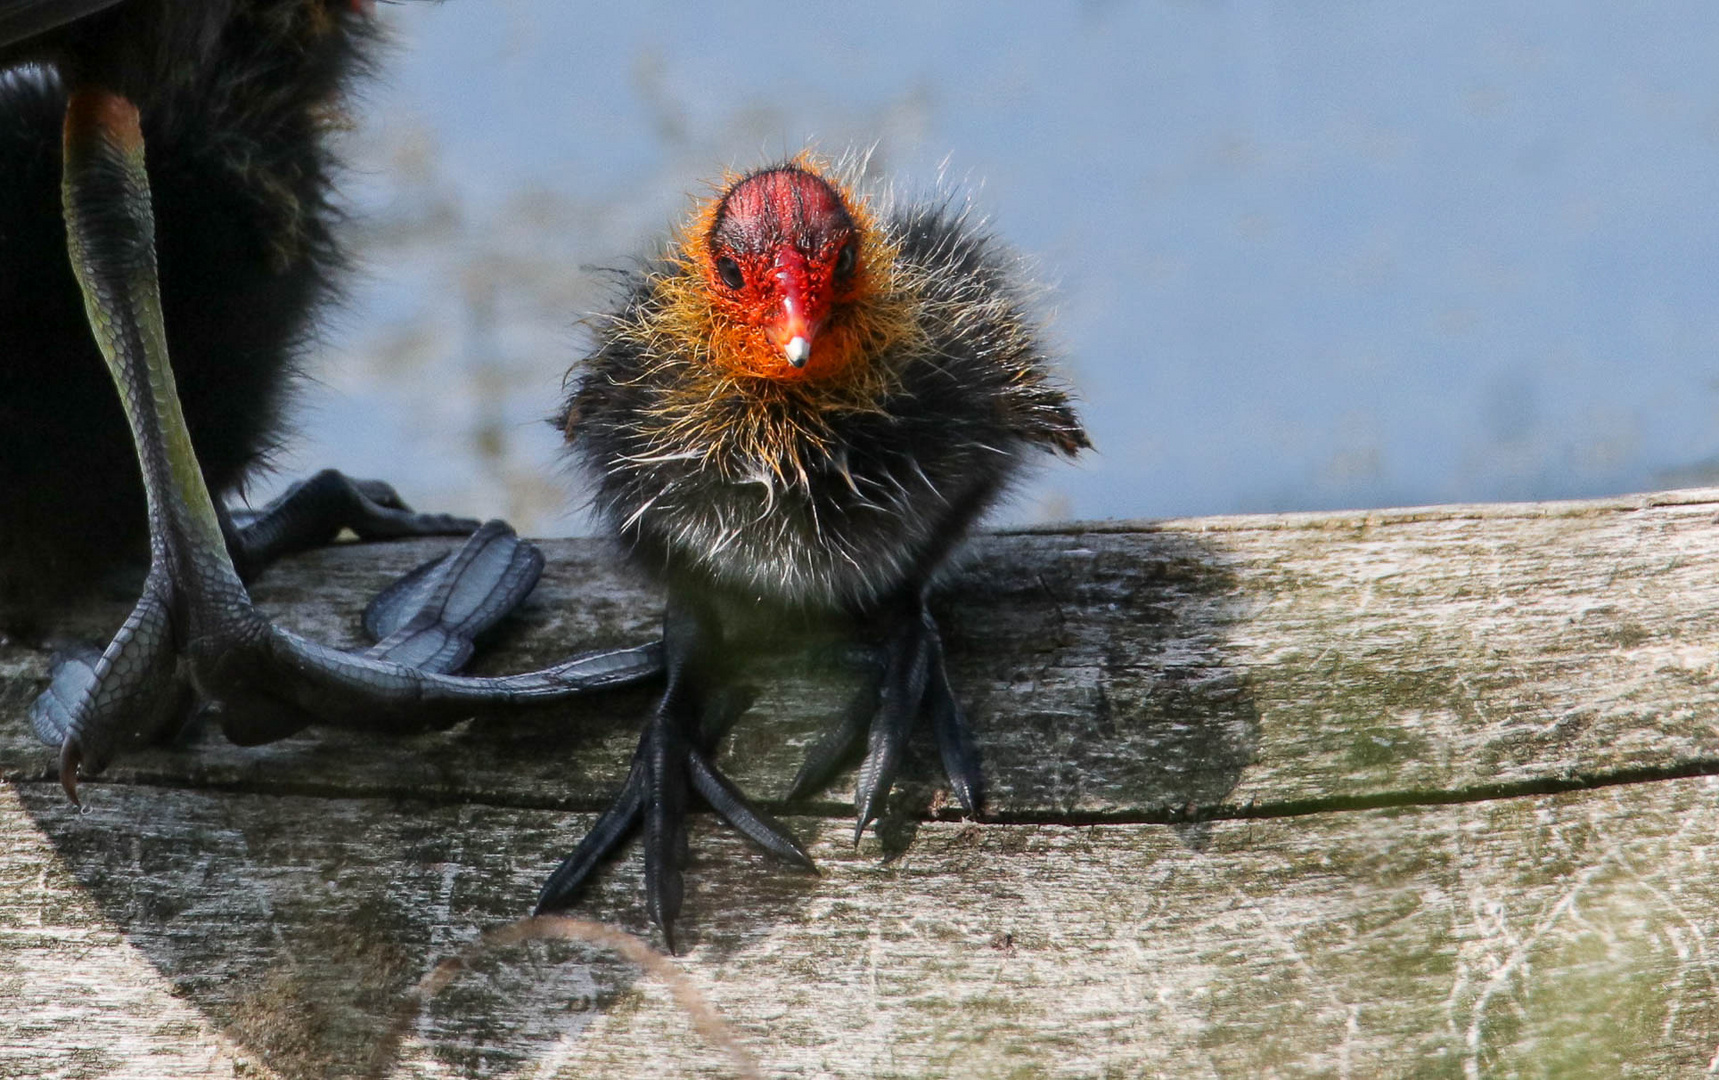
x=1304 y=255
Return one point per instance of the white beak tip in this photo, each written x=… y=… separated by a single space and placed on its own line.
x=798 y=350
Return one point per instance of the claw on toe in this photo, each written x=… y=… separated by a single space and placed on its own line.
x=71 y=756
x=666 y=769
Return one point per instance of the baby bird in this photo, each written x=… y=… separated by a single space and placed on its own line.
x=793 y=417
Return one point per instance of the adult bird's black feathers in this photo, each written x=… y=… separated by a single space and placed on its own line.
x=241 y=179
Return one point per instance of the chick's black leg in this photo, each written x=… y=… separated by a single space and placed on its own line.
x=949 y=725
x=672 y=758
x=907 y=682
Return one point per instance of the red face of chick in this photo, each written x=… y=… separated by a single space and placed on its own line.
x=782 y=255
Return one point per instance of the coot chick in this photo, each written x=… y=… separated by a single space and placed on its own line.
x=791 y=419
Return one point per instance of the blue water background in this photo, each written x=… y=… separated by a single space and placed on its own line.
x=1303 y=255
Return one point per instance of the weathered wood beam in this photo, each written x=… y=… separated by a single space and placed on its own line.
x=1300 y=793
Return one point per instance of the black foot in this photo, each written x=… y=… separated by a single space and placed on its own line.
x=433 y=617
x=274 y=683
x=429 y=620
x=906 y=682
x=673 y=758
x=313 y=511
x=127 y=696
x=133 y=693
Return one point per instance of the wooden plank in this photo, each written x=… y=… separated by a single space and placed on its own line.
x=1557 y=935
x=1271 y=796
x=1217 y=665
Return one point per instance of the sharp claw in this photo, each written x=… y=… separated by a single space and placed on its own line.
x=877 y=774
x=71 y=756
x=665 y=837
x=903 y=694
x=611 y=828
x=668 y=937
x=665 y=891
x=865 y=817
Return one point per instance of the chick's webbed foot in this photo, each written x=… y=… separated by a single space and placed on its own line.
x=673 y=760
x=906 y=681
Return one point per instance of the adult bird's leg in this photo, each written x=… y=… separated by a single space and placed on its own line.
x=907 y=682
x=428 y=620
x=312 y=512
x=194 y=608
x=110 y=238
x=673 y=757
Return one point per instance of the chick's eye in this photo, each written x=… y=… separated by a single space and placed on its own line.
x=845 y=260
x=729 y=271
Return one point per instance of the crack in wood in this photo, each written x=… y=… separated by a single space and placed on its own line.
x=1184 y=815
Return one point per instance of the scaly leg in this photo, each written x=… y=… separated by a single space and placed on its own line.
x=429 y=620
x=308 y=514
x=313 y=511
x=194 y=608
x=671 y=759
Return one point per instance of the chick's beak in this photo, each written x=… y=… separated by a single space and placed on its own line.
x=798 y=324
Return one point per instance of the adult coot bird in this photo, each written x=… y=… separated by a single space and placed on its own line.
x=791 y=419
x=165 y=192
